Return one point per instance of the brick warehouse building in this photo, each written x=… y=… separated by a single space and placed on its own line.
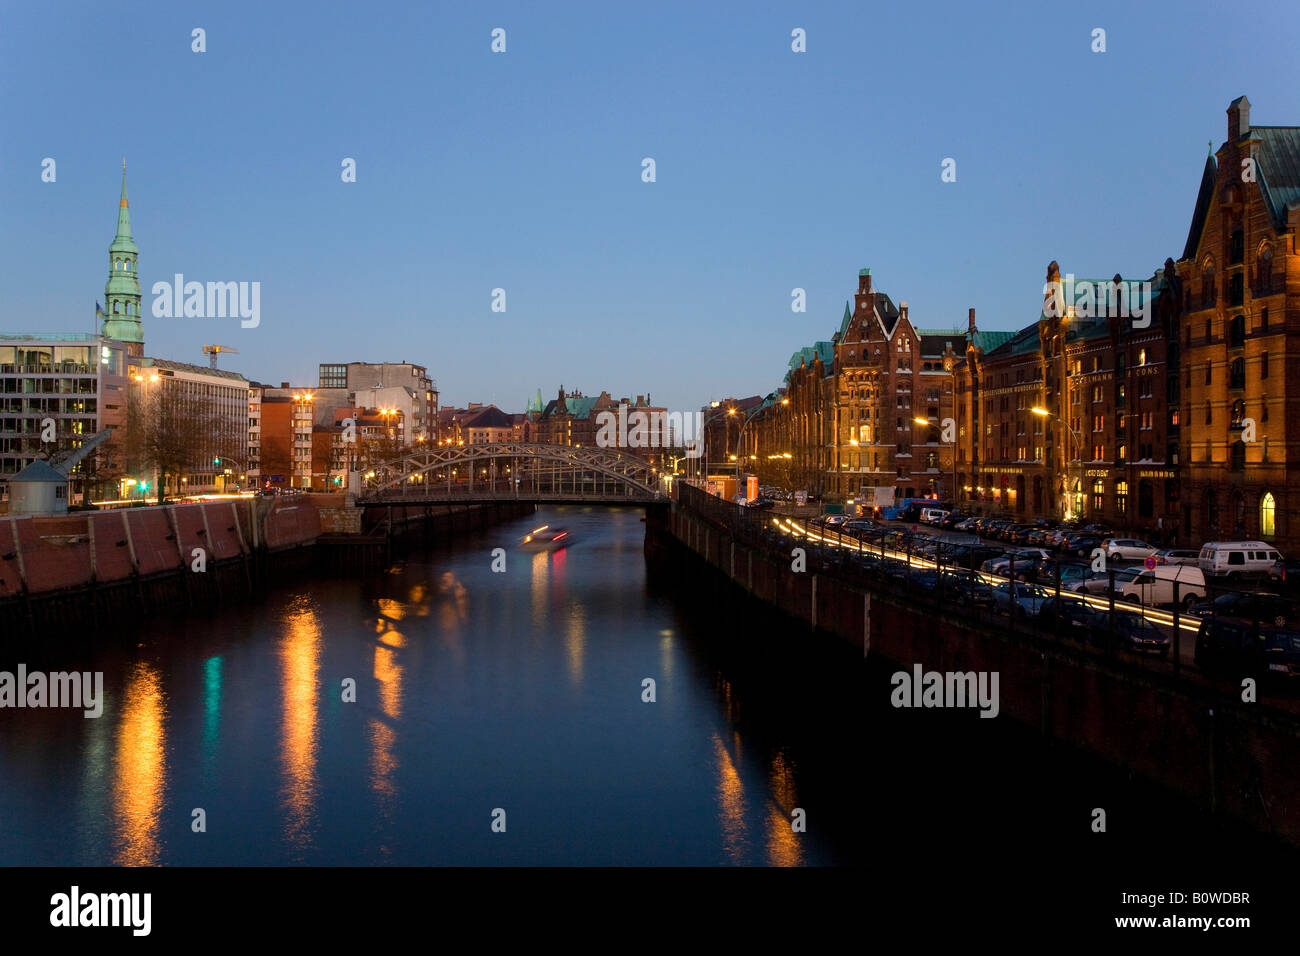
x=1241 y=298
x=1075 y=416
x=848 y=415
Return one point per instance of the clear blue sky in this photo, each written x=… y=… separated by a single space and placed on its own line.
x=523 y=171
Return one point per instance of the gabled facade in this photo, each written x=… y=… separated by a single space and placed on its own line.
x=1240 y=428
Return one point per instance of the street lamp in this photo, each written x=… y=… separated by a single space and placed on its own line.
x=929 y=424
x=1077 y=437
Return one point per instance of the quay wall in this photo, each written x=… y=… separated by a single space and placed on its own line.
x=1193 y=735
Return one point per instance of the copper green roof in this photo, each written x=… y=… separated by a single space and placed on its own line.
x=988 y=341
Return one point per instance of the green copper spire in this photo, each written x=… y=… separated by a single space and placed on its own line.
x=122 y=292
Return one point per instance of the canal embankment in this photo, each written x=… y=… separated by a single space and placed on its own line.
x=97 y=569
x=1201 y=739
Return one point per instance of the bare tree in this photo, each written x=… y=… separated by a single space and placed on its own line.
x=169 y=432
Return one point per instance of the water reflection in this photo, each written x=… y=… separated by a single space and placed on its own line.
x=783 y=844
x=383 y=735
x=731 y=806
x=140 y=779
x=299 y=660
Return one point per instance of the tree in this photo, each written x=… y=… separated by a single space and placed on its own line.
x=169 y=431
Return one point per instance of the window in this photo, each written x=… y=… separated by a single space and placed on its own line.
x=1237 y=331
x=1077 y=491
x=1142 y=357
x=1096 y=393
x=1236 y=289
x=1209 y=414
x=1267 y=512
x=1263 y=363
x=1237 y=373
x=1263 y=320
x=1237 y=246
x=1121 y=497
x=1238 y=456
x=1238 y=412
x=1098 y=495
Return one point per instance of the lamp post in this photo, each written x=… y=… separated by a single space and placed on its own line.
x=929 y=424
x=741 y=435
x=1076 y=437
x=704 y=428
x=148 y=380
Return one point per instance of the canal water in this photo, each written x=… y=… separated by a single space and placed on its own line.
x=519 y=697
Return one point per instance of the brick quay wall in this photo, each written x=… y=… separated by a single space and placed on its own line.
x=1192 y=736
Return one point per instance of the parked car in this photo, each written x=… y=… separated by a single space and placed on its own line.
x=1241 y=559
x=1098 y=582
x=1081 y=544
x=932 y=515
x=1285 y=577
x=1126 y=549
x=1071 y=616
x=1178 y=556
x=966 y=587
x=1131 y=631
x=1234 y=645
x=1020 y=600
x=1073 y=576
x=762 y=504
x=1155 y=587
x=1259 y=606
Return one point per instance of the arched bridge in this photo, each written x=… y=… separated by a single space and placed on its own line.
x=523 y=471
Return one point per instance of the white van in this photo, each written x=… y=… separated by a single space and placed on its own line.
x=933 y=515
x=1155 y=587
x=1221 y=559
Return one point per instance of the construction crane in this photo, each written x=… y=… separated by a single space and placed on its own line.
x=212 y=351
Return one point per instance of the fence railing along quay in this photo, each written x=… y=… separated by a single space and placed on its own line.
x=888 y=562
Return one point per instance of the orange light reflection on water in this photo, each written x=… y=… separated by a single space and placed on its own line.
x=139 y=781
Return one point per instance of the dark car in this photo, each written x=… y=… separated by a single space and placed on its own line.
x=763 y=504
x=1069 y=617
x=1082 y=545
x=1239 y=647
x=1130 y=631
x=1285 y=576
x=1262 y=606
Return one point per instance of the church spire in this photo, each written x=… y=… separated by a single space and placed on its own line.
x=124 y=210
x=122 y=292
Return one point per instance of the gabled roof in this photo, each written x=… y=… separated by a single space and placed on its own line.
x=886 y=314
x=990 y=341
x=490 y=417
x=1278 y=170
x=935 y=341
x=1209 y=176
x=810 y=353
x=40 y=471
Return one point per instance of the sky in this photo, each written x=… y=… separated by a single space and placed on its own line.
x=523 y=171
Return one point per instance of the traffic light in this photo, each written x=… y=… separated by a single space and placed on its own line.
x=216 y=460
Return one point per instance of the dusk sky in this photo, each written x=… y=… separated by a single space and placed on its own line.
x=523 y=171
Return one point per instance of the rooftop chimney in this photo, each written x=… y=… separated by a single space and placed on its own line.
x=284 y=384
x=971 y=321
x=1238 y=118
